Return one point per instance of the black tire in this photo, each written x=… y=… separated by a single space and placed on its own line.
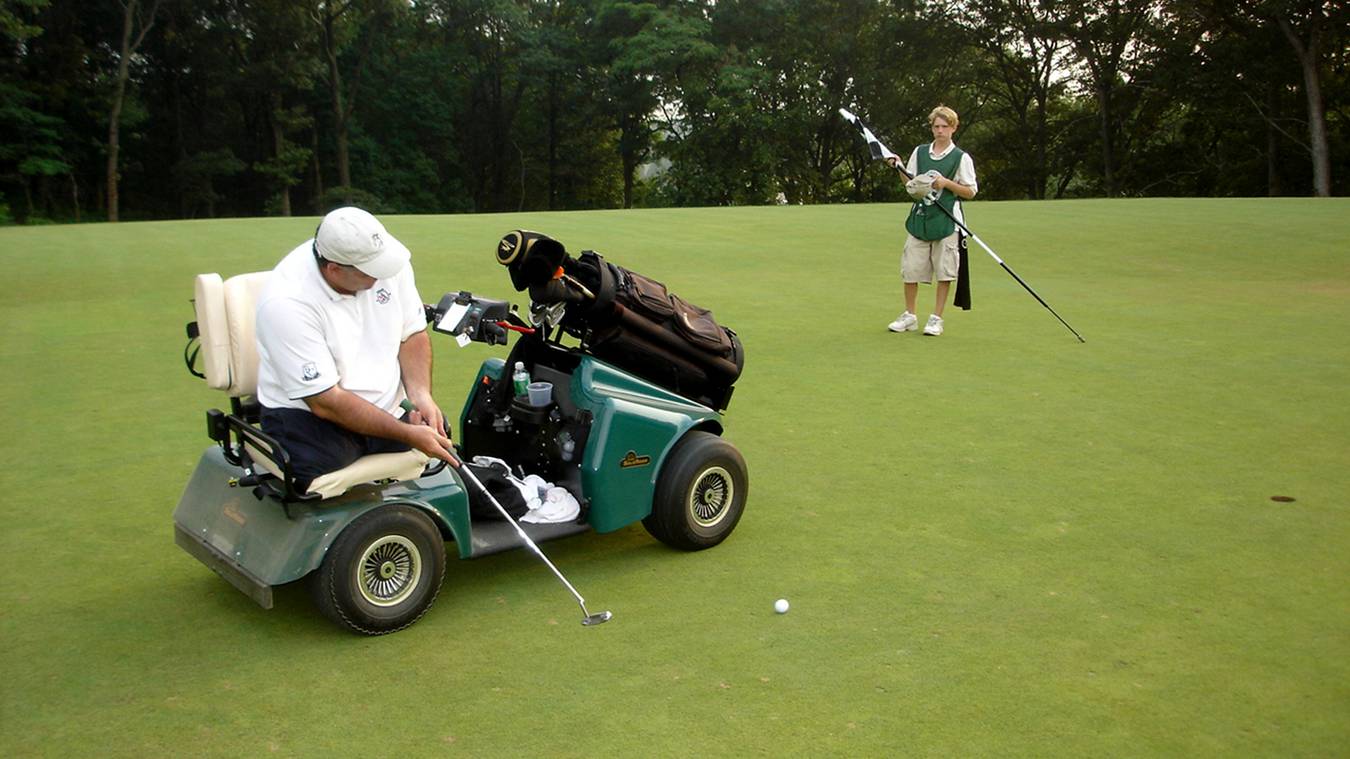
x=700 y=493
x=383 y=572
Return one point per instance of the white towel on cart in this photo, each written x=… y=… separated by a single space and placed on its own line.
x=548 y=503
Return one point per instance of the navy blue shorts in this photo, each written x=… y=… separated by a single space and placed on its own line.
x=318 y=446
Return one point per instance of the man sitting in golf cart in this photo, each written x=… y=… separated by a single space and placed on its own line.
x=342 y=343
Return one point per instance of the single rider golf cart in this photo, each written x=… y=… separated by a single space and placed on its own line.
x=631 y=428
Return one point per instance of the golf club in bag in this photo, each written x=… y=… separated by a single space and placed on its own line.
x=880 y=152
x=588 y=618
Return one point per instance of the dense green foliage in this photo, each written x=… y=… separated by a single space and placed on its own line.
x=248 y=107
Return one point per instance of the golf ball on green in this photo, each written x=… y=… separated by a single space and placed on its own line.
x=780 y=606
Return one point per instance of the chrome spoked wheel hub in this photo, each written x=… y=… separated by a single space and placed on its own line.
x=710 y=497
x=388 y=571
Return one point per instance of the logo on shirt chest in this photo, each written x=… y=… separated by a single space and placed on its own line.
x=382 y=296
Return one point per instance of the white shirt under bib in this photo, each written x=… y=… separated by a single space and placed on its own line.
x=311 y=337
x=965 y=172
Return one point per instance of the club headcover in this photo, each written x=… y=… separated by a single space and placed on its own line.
x=921 y=187
x=530 y=257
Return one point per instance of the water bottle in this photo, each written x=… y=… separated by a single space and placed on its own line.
x=521 y=380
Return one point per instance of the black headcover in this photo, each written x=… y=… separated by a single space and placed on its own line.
x=530 y=257
x=494 y=478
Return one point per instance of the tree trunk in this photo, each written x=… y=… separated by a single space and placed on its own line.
x=344 y=164
x=1272 y=143
x=1309 y=58
x=180 y=145
x=278 y=149
x=318 y=170
x=1317 y=128
x=128 y=46
x=497 y=186
x=340 y=113
x=1064 y=181
x=628 y=154
x=1041 y=171
x=344 y=167
x=1108 y=139
x=629 y=169
x=129 y=16
x=115 y=115
x=75 y=196
x=552 y=142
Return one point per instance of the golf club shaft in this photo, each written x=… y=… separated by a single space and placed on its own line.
x=1013 y=274
x=468 y=475
x=900 y=167
x=458 y=464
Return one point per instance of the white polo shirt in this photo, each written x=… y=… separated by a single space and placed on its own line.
x=311 y=337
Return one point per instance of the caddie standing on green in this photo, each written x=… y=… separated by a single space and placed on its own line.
x=943 y=175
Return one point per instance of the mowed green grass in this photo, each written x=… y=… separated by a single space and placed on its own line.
x=1000 y=542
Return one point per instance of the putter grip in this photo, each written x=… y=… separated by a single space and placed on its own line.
x=407 y=405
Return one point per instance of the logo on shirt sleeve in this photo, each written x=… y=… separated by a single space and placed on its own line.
x=309 y=372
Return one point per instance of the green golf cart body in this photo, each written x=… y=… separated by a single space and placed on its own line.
x=261 y=544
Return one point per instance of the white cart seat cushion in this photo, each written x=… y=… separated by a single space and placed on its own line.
x=377 y=467
x=226 y=311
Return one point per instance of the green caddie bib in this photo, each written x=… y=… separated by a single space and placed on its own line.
x=926 y=222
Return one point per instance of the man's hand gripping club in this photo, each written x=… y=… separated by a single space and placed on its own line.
x=417 y=418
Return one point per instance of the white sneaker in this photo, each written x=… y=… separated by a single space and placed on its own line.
x=905 y=322
x=934 y=325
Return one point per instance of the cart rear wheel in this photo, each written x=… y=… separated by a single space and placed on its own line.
x=700 y=493
x=383 y=572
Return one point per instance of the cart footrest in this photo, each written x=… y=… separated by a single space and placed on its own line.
x=496 y=537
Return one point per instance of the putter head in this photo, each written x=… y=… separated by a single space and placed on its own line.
x=597 y=619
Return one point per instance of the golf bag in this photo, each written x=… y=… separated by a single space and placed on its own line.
x=627 y=319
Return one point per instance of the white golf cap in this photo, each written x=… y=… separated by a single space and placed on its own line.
x=354 y=237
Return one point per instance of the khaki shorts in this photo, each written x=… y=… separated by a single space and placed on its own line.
x=924 y=257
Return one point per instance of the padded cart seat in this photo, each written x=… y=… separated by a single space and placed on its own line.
x=226 y=312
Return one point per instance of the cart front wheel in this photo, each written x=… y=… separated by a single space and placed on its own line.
x=700 y=493
x=383 y=572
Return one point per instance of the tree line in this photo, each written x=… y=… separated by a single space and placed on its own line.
x=141 y=109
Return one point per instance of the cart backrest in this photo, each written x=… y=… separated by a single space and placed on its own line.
x=226 y=312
